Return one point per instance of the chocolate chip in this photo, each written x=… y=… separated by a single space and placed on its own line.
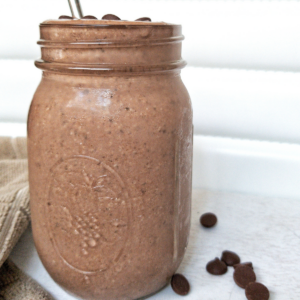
x=248 y=264
x=144 y=19
x=180 y=285
x=208 y=220
x=230 y=258
x=89 y=17
x=65 y=17
x=216 y=267
x=257 y=291
x=243 y=275
x=110 y=17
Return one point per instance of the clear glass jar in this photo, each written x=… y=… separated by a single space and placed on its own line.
x=110 y=156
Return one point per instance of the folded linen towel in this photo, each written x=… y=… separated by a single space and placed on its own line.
x=14 y=193
x=15 y=285
x=14 y=218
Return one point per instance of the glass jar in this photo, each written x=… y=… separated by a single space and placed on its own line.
x=110 y=156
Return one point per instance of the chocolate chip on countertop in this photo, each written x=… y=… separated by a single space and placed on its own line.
x=89 y=17
x=65 y=17
x=180 y=285
x=257 y=291
x=216 y=267
x=230 y=258
x=208 y=220
x=248 y=264
x=145 y=19
x=243 y=275
x=110 y=17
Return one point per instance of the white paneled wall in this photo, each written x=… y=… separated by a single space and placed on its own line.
x=243 y=59
x=263 y=105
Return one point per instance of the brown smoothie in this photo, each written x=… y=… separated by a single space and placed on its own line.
x=110 y=157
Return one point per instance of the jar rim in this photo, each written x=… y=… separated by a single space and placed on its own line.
x=104 y=23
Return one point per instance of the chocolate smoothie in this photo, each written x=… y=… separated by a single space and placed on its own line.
x=110 y=156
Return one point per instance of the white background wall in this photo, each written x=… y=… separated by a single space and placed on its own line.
x=244 y=35
x=236 y=36
x=252 y=34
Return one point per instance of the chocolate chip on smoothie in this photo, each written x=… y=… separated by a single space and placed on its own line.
x=230 y=258
x=216 y=267
x=66 y=17
x=257 y=291
x=208 y=220
x=145 y=19
x=248 y=264
x=243 y=275
x=110 y=17
x=89 y=17
x=180 y=284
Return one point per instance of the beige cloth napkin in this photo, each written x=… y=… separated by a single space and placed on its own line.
x=14 y=218
x=14 y=193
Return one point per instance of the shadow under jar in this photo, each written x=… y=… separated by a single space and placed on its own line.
x=110 y=157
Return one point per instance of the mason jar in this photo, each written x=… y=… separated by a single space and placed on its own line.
x=110 y=156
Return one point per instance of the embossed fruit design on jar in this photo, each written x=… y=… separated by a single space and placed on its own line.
x=110 y=156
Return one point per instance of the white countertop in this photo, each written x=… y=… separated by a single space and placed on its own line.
x=263 y=230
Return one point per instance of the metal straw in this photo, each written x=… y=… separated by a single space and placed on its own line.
x=71 y=8
x=79 y=9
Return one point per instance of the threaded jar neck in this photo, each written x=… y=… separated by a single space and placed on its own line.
x=99 y=47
